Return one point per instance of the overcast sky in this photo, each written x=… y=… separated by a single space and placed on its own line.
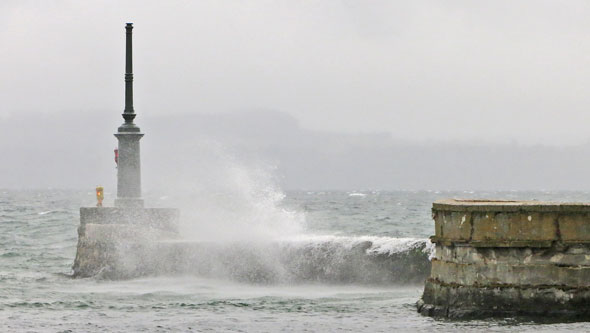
x=493 y=71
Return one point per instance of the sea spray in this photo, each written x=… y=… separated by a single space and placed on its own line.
x=234 y=226
x=313 y=259
x=225 y=198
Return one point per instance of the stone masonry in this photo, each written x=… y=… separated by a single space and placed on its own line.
x=506 y=258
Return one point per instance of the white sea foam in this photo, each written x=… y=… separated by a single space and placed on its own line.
x=379 y=245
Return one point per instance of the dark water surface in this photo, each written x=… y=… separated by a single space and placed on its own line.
x=38 y=243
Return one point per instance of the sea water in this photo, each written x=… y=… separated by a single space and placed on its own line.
x=38 y=236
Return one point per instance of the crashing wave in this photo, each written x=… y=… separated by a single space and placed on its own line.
x=301 y=259
x=357 y=194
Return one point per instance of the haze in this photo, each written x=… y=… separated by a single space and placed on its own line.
x=334 y=94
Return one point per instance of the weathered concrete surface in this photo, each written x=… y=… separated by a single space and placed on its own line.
x=496 y=258
x=107 y=234
x=159 y=218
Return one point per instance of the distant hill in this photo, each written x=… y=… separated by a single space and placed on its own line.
x=76 y=151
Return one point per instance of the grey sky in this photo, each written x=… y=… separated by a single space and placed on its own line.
x=493 y=71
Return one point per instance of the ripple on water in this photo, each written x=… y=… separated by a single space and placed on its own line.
x=38 y=235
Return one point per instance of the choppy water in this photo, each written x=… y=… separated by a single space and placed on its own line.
x=38 y=243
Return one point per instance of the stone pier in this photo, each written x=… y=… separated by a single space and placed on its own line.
x=507 y=258
x=119 y=242
x=116 y=242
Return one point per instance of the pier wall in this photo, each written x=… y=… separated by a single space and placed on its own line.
x=111 y=240
x=505 y=258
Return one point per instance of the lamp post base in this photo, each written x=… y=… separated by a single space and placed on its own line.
x=129 y=202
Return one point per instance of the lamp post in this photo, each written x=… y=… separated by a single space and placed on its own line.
x=128 y=135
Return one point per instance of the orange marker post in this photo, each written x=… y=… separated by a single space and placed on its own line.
x=99 y=196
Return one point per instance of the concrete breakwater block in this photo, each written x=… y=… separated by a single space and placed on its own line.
x=105 y=233
x=129 y=243
x=506 y=258
x=113 y=252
